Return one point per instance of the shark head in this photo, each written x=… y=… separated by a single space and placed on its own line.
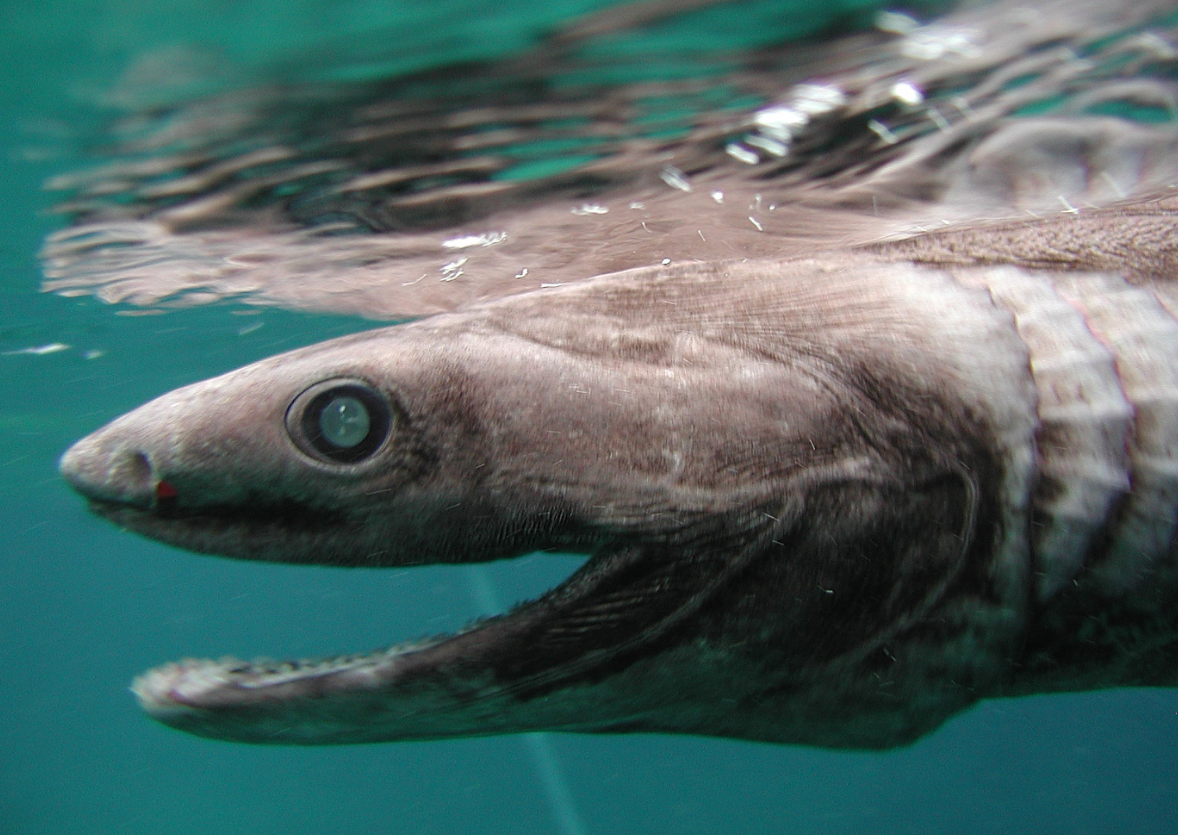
x=769 y=504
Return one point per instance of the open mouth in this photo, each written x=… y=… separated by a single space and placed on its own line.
x=495 y=675
x=342 y=698
x=580 y=656
x=441 y=682
x=347 y=698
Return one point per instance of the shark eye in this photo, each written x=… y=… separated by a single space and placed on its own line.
x=342 y=421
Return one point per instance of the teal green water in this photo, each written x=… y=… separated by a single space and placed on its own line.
x=84 y=607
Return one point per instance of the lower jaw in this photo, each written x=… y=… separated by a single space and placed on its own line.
x=357 y=698
x=398 y=694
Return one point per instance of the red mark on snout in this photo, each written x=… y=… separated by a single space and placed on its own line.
x=165 y=492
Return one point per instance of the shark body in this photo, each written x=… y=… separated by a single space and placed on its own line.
x=828 y=501
x=852 y=368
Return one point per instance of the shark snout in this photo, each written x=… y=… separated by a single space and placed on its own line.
x=109 y=470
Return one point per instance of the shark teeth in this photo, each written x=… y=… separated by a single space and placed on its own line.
x=204 y=683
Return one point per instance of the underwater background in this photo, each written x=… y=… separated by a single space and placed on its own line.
x=83 y=607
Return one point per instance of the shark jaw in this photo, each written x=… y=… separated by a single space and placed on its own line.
x=431 y=687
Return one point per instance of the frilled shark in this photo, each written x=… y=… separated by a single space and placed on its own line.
x=828 y=496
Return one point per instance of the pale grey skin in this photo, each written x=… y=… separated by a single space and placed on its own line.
x=828 y=501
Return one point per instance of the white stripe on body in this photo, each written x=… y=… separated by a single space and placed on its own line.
x=1143 y=337
x=1085 y=424
x=1104 y=357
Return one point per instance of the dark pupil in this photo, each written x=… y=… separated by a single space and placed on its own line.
x=347 y=423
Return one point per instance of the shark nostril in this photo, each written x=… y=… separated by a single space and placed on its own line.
x=134 y=474
x=136 y=468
